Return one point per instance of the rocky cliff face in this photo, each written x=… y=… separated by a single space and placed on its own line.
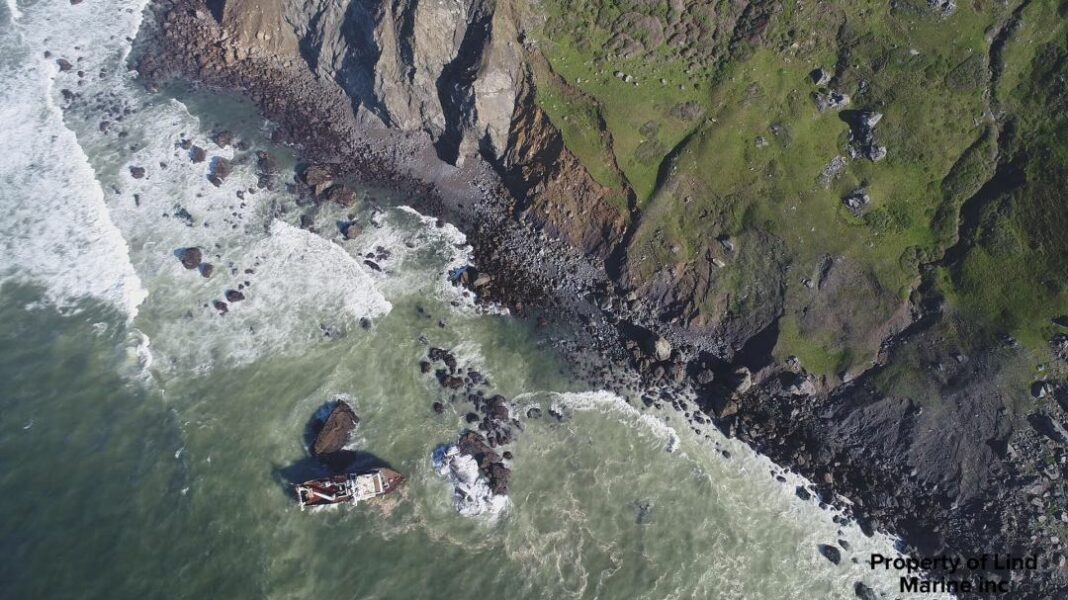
x=454 y=70
x=449 y=68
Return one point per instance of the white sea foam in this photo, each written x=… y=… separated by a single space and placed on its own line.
x=57 y=230
x=471 y=491
x=607 y=402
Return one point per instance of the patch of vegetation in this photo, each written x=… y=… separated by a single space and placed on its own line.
x=713 y=124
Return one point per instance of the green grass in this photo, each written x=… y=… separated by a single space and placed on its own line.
x=925 y=74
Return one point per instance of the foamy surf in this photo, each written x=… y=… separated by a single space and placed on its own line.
x=607 y=402
x=77 y=252
x=471 y=492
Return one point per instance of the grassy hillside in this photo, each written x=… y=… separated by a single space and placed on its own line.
x=708 y=110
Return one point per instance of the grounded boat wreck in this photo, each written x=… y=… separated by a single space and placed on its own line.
x=350 y=488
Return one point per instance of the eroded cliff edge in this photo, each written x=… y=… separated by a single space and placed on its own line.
x=444 y=97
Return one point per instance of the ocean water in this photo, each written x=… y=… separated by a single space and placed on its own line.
x=147 y=442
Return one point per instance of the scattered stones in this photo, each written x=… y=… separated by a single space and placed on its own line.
x=64 y=64
x=234 y=296
x=943 y=7
x=832 y=171
x=220 y=306
x=206 y=270
x=197 y=154
x=319 y=178
x=137 y=172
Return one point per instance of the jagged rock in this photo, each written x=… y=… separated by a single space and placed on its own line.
x=1041 y=389
x=1059 y=346
x=862 y=136
x=742 y=380
x=831 y=553
x=820 y=76
x=335 y=430
x=830 y=100
x=319 y=178
x=220 y=170
x=351 y=230
x=190 y=257
x=857 y=200
x=342 y=195
x=1048 y=427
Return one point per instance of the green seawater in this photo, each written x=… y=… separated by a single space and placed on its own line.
x=148 y=444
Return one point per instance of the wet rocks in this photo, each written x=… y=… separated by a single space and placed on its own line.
x=266 y=167
x=220 y=306
x=190 y=257
x=64 y=64
x=831 y=553
x=319 y=178
x=351 y=230
x=223 y=138
x=197 y=154
x=234 y=296
x=137 y=172
x=341 y=195
x=220 y=170
x=333 y=431
x=863 y=592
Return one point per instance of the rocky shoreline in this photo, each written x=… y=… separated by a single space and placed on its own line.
x=859 y=450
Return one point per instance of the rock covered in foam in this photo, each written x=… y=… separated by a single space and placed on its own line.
x=473 y=493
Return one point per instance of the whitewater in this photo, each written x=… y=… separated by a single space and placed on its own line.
x=175 y=430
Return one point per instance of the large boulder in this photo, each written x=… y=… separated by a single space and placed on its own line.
x=335 y=431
